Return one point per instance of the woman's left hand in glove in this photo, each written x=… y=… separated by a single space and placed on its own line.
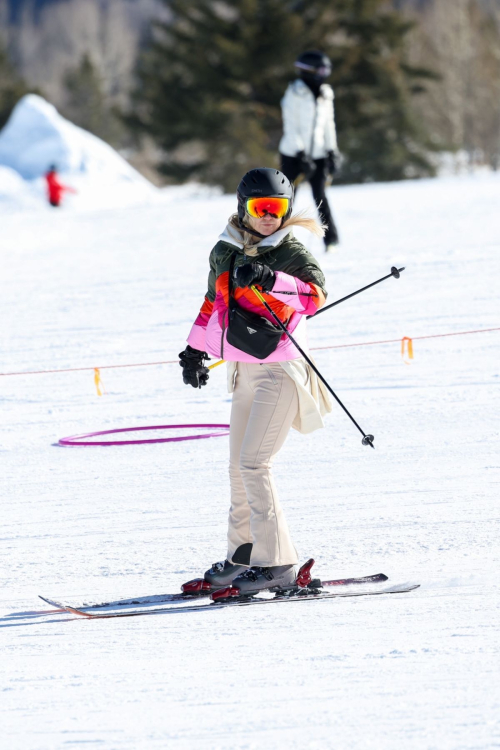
x=255 y=273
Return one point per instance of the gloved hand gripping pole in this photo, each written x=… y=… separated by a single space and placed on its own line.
x=367 y=439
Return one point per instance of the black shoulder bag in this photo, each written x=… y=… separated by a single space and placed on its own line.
x=253 y=334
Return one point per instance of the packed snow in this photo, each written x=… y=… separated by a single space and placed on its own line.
x=89 y=288
x=37 y=137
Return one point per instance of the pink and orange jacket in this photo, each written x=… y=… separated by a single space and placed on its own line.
x=293 y=296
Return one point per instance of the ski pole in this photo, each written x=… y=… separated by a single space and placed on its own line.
x=367 y=439
x=396 y=272
x=216 y=364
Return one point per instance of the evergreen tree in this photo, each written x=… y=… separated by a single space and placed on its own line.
x=12 y=88
x=87 y=105
x=482 y=89
x=380 y=133
x=211 y=82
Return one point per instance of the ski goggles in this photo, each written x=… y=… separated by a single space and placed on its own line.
x=259 y=207
x=323 y=70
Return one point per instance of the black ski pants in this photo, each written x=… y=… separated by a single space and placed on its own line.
x=290 y=166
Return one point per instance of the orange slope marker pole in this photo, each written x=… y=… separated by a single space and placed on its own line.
x=406 y=348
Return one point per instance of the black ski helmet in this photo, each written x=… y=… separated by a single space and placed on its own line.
x=314 y=65
x=266 y=183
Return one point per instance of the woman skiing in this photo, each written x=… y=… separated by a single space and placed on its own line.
x=273 y=387
x=309 y=143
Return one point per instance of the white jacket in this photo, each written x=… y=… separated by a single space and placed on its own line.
x=308 y=123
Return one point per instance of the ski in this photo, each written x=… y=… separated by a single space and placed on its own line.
x=293 y=596
x=182 y=597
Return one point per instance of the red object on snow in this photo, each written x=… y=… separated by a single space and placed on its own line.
x=304 y=577
x=196 y=586
x=55 y=189
x=226 y=593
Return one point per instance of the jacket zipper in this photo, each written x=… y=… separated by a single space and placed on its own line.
x=222 y=337
x=314 y=126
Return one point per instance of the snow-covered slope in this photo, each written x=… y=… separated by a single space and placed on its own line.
x=414 y=672
x=16 y=194
x=37 y=136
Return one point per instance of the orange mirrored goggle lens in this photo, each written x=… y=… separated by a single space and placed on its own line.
x=259 y=207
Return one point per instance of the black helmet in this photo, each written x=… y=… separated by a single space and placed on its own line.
x=266 y=183
x=314 y=65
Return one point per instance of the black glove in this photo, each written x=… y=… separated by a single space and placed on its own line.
x=255 y=273
x=331 y=163
x=306 y=164
x=194 y=371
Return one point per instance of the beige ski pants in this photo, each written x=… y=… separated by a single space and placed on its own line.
x=265 y=403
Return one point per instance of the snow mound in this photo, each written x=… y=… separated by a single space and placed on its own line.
x=14 y=191
x=37 y=136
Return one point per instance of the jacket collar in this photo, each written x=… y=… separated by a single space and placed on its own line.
x=231 y=236
x=301 y=88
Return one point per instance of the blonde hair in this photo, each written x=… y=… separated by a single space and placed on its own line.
x=306 y=221
x=301 y=219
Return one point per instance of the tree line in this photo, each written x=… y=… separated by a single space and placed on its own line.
x=210 y=78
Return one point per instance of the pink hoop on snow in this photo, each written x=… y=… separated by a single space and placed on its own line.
x=79 y=439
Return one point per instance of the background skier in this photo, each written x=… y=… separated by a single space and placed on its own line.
x=273 y=387
x=309 y=143
x=55 y=188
